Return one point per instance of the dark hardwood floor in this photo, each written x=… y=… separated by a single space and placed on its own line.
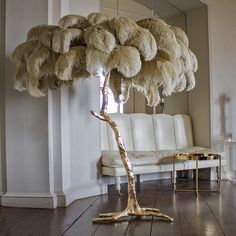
x=210 y=214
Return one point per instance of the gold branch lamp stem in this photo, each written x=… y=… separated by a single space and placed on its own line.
x=133 y=207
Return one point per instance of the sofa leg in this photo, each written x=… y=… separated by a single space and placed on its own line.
x=138 y=179
x=173 y=177
x=117 y=182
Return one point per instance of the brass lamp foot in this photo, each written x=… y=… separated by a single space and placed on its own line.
x=111 y=217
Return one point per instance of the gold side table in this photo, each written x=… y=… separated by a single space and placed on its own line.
x=197 y=157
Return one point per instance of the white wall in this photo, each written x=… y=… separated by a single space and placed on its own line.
x=199 y=97
x=222 y=30
x=223 y=60
x=2 y=97
x=26 y=117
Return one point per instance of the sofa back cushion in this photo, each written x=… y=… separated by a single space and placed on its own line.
x=143 y=133
x=164 y=132
x=183 y=131
x=124 y=125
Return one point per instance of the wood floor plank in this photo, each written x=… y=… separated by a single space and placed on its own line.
x=209 y=214
x=147 y=196
x=106 y=203
x=223 y=211
x=11 y=216
x=228 y=192
x=64 y=218
x=196 y=217
x=166 y=202
x=118 y=228
x=30 y=222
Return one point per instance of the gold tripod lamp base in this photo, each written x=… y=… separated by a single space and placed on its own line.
x=113 y=216
x=133 y=208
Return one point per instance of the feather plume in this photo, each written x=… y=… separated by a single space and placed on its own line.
x=71 y=65
x=36 y=60
x=180 y=35
x=99 y=38
x=97 y=62
x=126 y=60
x=43 y=33
x=73 y=21
x=96 y=18
x=119 y=86
x=20 y=77
x=24 y=50
x=63 y=39
x=123 y=28
x=145 y=43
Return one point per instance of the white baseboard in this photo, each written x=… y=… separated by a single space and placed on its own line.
x=29 y=200
x=80 y=191
x=47 y=200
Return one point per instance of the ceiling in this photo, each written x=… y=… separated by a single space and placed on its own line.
x=185 y=5
x=169 y=8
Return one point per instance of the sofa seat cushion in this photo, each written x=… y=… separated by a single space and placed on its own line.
x=137 y=158
x=195 y=149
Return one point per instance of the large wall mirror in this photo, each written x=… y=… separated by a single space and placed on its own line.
x=191 y=16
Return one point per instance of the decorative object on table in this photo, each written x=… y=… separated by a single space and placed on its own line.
x=197 y=157
x=147 y=55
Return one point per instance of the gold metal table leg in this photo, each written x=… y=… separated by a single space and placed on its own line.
x=218 y=168
x=174 y=175
x=196 y=176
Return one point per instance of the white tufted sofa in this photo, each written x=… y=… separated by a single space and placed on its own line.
x=151 y=142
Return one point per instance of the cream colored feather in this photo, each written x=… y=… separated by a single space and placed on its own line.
x=153 y=96
x=71 y=65
x=36 y=60
x=126 y=60
x=99 y=38
x=63 y=39
x=24 y=50
x=156 y=73
x=168 y=47
x=20 y=77
x=124 y=29
x=96 y=18
x=180 y=35
x=34 y=87
x=73 y=21
x=152 y=23
x=130 y=34
x=43 y=33
x=97 y=62
x=190 y=79
x=119 y=86
x=145 y=43
x=194 y=61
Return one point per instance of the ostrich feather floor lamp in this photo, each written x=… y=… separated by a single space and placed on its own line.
x=148 y=55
